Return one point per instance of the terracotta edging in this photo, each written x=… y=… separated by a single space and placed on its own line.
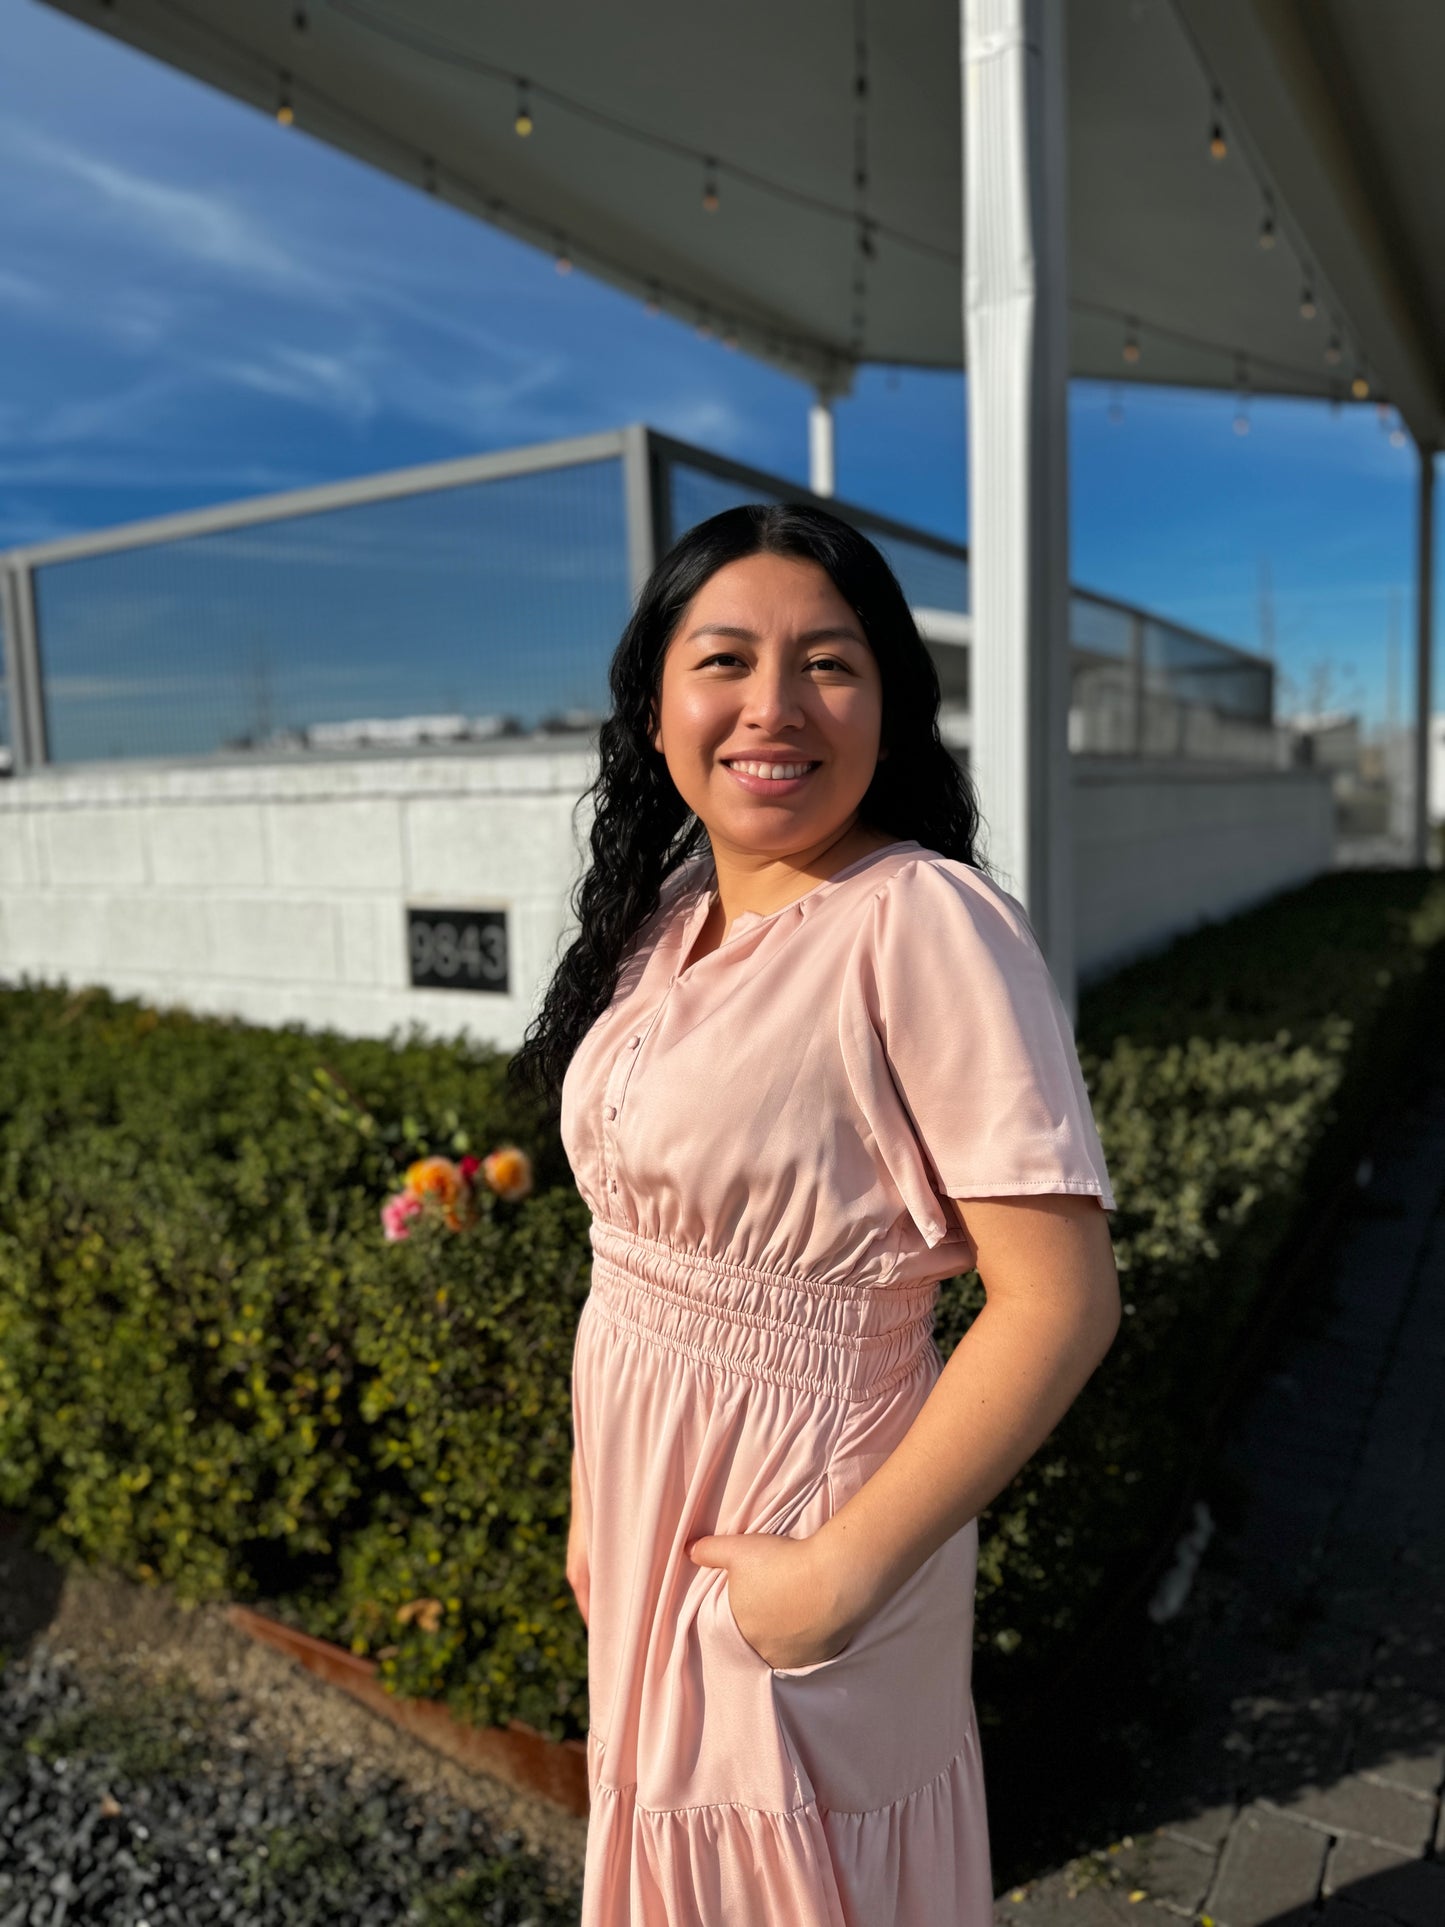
x=516 y=1753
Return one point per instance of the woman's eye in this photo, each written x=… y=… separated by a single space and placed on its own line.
x=828 y=662
x=722 y=656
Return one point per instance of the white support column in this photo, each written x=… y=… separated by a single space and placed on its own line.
x=1424 y=636
x=1016 y=331
x=822 y=473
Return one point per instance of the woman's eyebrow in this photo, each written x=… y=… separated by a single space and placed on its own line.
x=830 y=632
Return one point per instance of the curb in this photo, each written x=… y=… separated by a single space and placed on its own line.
x=556 y=1770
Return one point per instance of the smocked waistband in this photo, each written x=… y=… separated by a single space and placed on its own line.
x=848 y=1340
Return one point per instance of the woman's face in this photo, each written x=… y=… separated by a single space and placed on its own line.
x=769 y=668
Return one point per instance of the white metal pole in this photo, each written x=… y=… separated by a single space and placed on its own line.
x=1016 y=331
x=1425 y=620
x=822 y=474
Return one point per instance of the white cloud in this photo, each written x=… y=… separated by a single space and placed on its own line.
x=204 y=225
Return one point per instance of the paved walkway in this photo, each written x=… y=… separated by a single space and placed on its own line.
x=1288 y=1763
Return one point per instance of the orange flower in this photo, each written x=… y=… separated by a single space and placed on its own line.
x=509 y=1172
x=439 y=1179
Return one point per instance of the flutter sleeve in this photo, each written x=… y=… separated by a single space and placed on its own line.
x=959 y=1049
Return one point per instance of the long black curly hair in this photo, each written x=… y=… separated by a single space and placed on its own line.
x=642 y=829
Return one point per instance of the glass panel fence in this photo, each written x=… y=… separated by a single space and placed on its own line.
x=931 y=578
x=490 y=608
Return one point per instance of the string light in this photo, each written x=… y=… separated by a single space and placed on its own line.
x=653 y=303
x=564 y=259
x=704 y=328
x=730 y=339
x=1397 y=436
x=1307 y=308
x=285 y=112
x=1267 y=234
x=1131 y=341
x=523 y=123
x=1333 y=351
x=1360 y=386
x=299 y=20
x=709 y=187
x=1218 y=145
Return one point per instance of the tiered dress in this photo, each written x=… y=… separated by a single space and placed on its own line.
x=767 y=1139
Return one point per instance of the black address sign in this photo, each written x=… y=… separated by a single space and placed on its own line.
x=458 y=949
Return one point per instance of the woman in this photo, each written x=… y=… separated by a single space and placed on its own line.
x=798 y=1027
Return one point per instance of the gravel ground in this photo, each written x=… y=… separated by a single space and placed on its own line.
x=157 y=1767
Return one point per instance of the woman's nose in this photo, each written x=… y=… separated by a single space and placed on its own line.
x=770 y=698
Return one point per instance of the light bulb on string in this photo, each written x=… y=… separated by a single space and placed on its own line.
x=1333 y=351
x=710 y=196
x=653 y=303
x=1218 y=145
x=1360 y=386
x=730 y=339
x=1131 y=350
x=704 y=328
x=564 y=259
x=1307 y=308
x=285 y=112
x=1267 y=235
x=523 y=123
x=1397 y=435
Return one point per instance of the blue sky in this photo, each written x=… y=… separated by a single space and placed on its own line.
x=197 y=304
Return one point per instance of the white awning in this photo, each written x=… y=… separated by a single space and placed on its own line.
x=834 y=159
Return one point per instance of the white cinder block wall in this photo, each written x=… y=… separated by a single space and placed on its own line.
x=277 y=891
x=1158 y=847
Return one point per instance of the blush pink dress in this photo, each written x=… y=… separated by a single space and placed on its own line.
x=766 y=1140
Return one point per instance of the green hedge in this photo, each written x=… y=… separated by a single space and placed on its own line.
x=215 y=1374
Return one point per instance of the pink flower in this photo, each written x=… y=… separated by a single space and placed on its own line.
x=397 y=1215
x=469 y=1167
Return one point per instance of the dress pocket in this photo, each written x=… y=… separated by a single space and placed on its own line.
x=799 y=1516
x=844 y=1476
x=806 y=1514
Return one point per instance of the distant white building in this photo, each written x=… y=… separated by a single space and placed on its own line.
x=1398 y=754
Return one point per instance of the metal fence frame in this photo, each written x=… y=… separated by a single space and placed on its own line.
x=645 y=456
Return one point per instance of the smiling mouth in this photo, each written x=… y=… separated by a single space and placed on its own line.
x=776 y=772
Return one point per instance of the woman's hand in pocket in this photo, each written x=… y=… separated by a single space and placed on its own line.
x=780 y=1596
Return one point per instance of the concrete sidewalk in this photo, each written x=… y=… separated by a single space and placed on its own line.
x=1298 y=1774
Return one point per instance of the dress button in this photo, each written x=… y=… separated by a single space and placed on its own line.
x=633 y=1042
x=610 y=1111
